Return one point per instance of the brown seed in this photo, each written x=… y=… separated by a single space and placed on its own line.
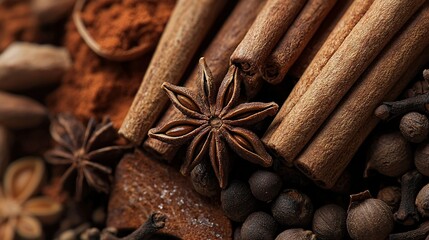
x=259 y=226
x=391 y=195
x=296 y=234
x=390 y=154
x=204 y=180
x=414 y=127
x=265 y=185
x=329 y=222
x=292 y=209
x=237 y=201
x=421 y=158
x=50 y=11
x=422 y=201
x=368 y=218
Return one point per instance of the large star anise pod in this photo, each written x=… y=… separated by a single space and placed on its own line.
x=83 y=148
x=214 y=119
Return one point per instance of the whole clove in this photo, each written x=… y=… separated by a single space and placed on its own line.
x=417 y=234
x=410 y=184
x=390 y=110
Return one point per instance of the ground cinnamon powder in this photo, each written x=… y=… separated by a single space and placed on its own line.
x=17 y=23
x=96 y=86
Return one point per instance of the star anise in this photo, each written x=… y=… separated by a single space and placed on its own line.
x=82 y=148
x=21 y=213
x=214 y=119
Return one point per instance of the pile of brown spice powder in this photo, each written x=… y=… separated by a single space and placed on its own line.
x=96 y=86
x=17 y=23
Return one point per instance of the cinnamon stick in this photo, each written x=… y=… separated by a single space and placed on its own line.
x=319 y=38
x=319 y=159
x=344 y=26
x=294 y=41
x=269 y=27
x=216 y=56
x=188 y=25
x=361 y=46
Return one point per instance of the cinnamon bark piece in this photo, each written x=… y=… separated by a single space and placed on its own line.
x=217 y=58
x=188 y=25
x=144 y=186
x=264 y=34
x=382 y=20
x=342 y=29
x=294 y=41
x=319 y=160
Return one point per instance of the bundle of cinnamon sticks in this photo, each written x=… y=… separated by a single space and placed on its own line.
x=348 y=60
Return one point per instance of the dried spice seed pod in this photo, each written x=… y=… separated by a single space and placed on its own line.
x=390 y=154
x=422 y=201
x=421 y=158
x=391 y=195
x=204 y=180
x=410 y=185
x=414 y=127
x=265 y=185
x=237 y=201
x=292 y=209
x=368 y=218
x=296 y=234
x=259 y=226
x=419 y=233
x=329 y=222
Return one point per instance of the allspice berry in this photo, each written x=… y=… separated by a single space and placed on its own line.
x=422 y=201
x=296 y=234
x=292 y=209
x=265 y=185
x=368 y=218
x=237 y=201
x=414 y=127
x=204 y=180
x=259 y=226
x=329 y=222
x=421 y=158
x=391 y=195
x=390 y=154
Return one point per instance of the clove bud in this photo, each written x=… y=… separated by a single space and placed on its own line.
x=410 y=184
x=420 y=233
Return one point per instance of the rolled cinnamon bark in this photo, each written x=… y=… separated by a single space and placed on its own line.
x=294 y=41
x=361 y=46
x=217 y=58
x=344 y=26
x=186 y=29
x=319 y=160
x=269 y=27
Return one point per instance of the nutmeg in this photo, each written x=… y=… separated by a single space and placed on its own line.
x=368 y=218
x=237 y=201
x=414 y=127
x=329 y=222
x=292 y=209
x=265 y=185
x=391 y=195
x=204 y=180
x=421 y=158
x=390 y=154
x=422 y=201
x=259 y=226
x=296 y=234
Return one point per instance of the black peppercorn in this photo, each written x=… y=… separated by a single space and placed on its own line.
x=329 y=222
x=204 y=180
x=259 y=226
x=292 y=209
x=237 y=201
x=265 y=185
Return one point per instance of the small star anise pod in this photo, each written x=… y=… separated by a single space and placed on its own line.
x=214 y=119
x=82 y=148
